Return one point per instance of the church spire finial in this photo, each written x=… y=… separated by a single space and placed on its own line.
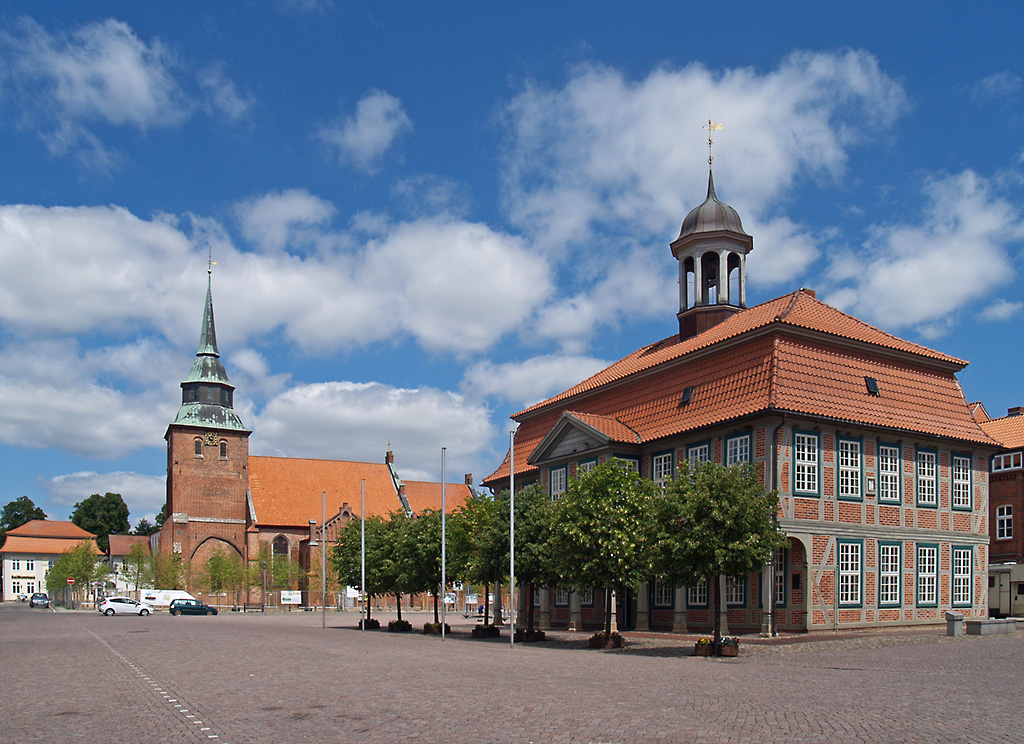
x=712 y=126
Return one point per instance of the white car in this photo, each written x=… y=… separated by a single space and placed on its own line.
x=124 y=606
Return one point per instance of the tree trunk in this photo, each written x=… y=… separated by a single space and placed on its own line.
x=716 y=608
x=608 y=612
x=487 y=602
x=529 y=611
x=497 y=604
x=398 y=599
x=368 y=603
x=437 y=615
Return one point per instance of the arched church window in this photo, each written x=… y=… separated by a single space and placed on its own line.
x=199 y=447
x=280 y=546
x=223 y=449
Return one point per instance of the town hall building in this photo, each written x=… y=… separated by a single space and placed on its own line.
x=881 y=470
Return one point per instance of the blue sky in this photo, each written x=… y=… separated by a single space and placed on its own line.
x=426 y=217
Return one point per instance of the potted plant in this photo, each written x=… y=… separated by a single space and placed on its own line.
x=704 y=647
x=435 y=628
x=485 y=631
x=730 y=646
x=399 y=626
x=601 y=640
x=370 y=623
x=529 y=635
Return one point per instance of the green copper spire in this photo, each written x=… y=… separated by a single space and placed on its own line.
x=207 y=394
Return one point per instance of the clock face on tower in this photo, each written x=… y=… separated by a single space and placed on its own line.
x=211 y=439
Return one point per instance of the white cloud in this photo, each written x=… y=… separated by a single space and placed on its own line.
x=363 y=138
x=604 y=150
x=921 y=274
x=102 y=73
x=272 y=221
x=526 y=383
x=143 y=494
x=1000 y=85
x=356 y=421
x=222 y=96
x=1001 y=309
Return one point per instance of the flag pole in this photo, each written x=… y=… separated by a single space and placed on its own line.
x=362 y=547
x=444 y=566
x=323 y=560
x=512 y=538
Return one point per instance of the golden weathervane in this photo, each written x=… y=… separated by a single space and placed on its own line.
x=712 y=126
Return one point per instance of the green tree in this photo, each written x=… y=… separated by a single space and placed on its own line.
x=282 y=571
x=420 y=554
x=223 y=571
x=16 y=513
x=80 y=563
x=168 y=571
x=102 y=516
x=162 y=516
x=603 y=531
x=385 y=571
x=535 y=565
x=145 y=527
x=478 y=543
x=138 y=567
x=716 y=521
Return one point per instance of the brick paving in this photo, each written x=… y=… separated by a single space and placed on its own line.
x=255 y=679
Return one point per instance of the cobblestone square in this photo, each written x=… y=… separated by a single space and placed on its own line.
x=264 y=679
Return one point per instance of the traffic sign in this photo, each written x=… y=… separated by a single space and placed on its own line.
x=70 y=580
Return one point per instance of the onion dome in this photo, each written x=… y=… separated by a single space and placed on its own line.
x=711 y=216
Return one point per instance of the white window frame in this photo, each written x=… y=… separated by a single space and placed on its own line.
x=735 y=592
x=698 y=453
x=558 y=480
x=661 y=468
x=851 y=573
x=561 y=597
x=663 y=594
x=927 y=575
x=631 y=464
x=587 y=596
x=697 y=596
x=961 y=482
x=806 y=446
x=30 y=564
x=889 y=573
x=780 y=577
x=888 y=474
x=15 y=564
x=961 y=577
x=1004 y=522
x=927 y=478
x=849 y=456
x=585 y=466
x=737 y=449
x=1007 y=461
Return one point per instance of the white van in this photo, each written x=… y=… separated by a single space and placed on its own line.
x=162 y=597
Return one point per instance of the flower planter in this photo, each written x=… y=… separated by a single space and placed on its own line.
x=485 y=631
x=435 y=629
x=600 y=640
x=399 y=626
x=529 y=636
x=703 y=649
x=729 y=650
x=370 y=624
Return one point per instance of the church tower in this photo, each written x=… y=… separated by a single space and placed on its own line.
x=712 y=253
x=207 y=460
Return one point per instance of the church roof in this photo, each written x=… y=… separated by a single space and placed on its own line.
x=792 y=354
x=287 y=491
x=1008 y=430
x=122 y=544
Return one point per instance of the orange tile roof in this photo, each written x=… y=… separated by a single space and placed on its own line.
x=50 y=528
x=771 y=365
x=44 y=545
x=122 y=544
x=613 y=428
x=286 y=491
x=425 y=495
x=1008 y=431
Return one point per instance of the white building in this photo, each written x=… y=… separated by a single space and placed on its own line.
x=30 y=551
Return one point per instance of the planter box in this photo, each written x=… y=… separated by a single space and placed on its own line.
x=529 y=636
x=435 y=629
x=728 y=650
x=486 y=631
x=399 y=626
x=703 y=649
x=599 y=640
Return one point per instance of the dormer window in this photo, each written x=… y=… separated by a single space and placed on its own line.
x=686 y=397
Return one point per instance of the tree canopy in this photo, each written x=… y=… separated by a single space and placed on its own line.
x=603 y=530
x=715 y=521
x=102 y=515
x=18 y=512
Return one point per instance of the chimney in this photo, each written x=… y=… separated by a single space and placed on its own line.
x=469 y=479
x=389 y=458
x=1015 y=411
x=810 y=292
x=312 y=529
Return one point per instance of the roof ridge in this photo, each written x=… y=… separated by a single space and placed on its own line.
x=781 y=317
x=639 y=439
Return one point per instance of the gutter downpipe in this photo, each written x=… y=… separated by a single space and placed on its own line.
x=772 y=623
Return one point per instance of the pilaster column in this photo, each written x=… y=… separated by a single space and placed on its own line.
x=643 y=614
x=545 y=608
x=575 y=614
x=723 y=277
x=722 y=605
x=679 y=620
x=698 y=283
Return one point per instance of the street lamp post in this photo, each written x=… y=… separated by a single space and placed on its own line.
x=264 y=595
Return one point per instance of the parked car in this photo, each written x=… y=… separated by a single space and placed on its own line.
x=190 y=607
x=39 y=599
x=124 y=606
